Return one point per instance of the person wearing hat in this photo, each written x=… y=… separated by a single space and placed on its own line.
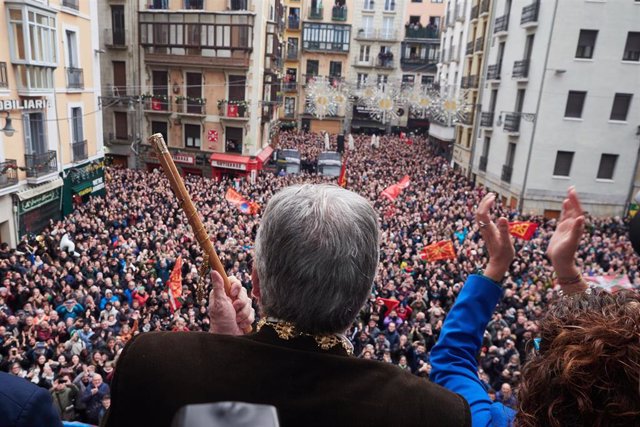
x=70 y=309
x=108 y=297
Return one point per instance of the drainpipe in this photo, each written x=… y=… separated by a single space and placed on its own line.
x=535 y=120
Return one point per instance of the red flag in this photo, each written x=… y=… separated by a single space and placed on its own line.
x=393 y=191
x=390 y=303
x=156 y=105
x=610 y=283
x=523 y=230
x=175 y=285
x=236 y=199
x=342 y=179
x=438 y=251
x=232 y=110
x=254 y=208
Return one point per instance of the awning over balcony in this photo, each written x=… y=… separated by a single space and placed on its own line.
x=40 y=189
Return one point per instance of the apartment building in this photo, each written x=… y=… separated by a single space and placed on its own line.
x=451 y=68
x=291 y=82
x=561 y=104
x=325 y=45
x=207 y=77
x=51 y=153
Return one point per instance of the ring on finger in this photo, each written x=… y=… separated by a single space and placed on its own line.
x=482 y=224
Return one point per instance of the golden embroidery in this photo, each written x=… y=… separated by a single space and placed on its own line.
x=287 y=331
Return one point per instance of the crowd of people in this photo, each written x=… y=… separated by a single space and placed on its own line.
x=66 y=315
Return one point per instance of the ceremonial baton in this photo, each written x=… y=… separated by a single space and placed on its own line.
x=177 y=185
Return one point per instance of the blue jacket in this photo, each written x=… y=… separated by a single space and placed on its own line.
x=453 y=359
x=24 y=404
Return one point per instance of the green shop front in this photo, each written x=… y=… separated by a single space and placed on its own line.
x=82 y=182
x=37 y=206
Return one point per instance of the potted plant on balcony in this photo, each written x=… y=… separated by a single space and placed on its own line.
x=180 y=103
x=222 y=105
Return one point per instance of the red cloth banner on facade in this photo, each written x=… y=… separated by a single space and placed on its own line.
x=232 y=110
x=523 y=230
x=438 y=251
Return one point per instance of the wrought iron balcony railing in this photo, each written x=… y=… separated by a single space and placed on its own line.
x=530 y=13
x=79 y=150
x=41 y=164
x=483 y=163
x=501 y=25
x=520 y=69
x=75 y=78
x=512 y=122
x=339 y=13
x=493 y=72
x=8 y=173
x=486 y=120
x=507 y=171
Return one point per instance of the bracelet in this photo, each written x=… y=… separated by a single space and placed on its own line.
x=568 y=281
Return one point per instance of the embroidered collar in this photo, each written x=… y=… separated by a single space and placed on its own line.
x=287 y=331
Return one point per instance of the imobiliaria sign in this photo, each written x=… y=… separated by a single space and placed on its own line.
x=24 y=104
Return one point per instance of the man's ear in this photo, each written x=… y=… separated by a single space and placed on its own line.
x=255 y=282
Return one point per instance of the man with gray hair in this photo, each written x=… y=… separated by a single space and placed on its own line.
x=316 y=256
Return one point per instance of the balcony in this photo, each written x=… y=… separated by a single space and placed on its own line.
x=339 y=13
x=469 y=50
x=529 y=16
x=421 y=62
x=464 y=82
x=493 y=72
x=236 y=110
x=157 y=103
x=419 y=32
x=507 y=171
x=473 y=82
x=512 y=122
x=316 y=13
x=115 y=38
x=520 y=69
x=239 y=5
x=479 y=44
x=293 y=23
x=474 y=13
x=71 y=4
x=466 y=119
x=501 y=26
x=486 y=120
x=290 y=86
x=8 y=173
x=207 y=39
x=317 y=46
x=293 y=53
x=483 y=163
x=79 y=150
x=41 y=164
x=4 y=79
x=484 y=7
x=75 y=78
x=460 y=12
x=371 y=34
x=385 y=63
x=195 y=106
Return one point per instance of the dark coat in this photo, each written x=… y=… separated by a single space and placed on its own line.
x=159 y=372
x=24 y=404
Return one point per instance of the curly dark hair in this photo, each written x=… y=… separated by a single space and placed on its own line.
x=588 y=366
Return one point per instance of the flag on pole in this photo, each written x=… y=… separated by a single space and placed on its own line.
x=438 y=251
x=342 y=179
x=522 y=229
x=391 y=304
x=175 y=285
x=393 y=191
x=238 y=201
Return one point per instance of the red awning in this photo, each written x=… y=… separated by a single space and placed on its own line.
x=265 y=154
x=234 y=158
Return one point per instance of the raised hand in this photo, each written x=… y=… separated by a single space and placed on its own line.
x=497 y=239
x=229 y=317
x=565 y=240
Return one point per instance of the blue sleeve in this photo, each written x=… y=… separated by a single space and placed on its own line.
x=39 y=411
x=453 y=359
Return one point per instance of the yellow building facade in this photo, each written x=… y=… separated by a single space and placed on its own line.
x=50 y=120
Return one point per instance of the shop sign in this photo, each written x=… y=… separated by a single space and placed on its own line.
x=183 y=158
x=39 y=200
x=24 y=104
x=86 y=172
x=228 y=165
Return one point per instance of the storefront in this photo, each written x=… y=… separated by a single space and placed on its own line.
x=363 y=123
x=231 y=166
x=187 y=163
x=82 y=182
x=39 y=205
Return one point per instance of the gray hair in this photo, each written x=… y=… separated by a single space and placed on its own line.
x=317 y=252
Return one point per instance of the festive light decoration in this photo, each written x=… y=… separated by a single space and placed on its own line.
x=452 y=106
x=321 y=98
x=382 y=100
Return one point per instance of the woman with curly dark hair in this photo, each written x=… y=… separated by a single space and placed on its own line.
x=586 y=368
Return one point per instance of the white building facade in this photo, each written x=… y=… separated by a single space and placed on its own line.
x=563 y=83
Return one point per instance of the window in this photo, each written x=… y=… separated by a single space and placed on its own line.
x=389 y=5
x=426 y=80
x=575 y=103
x=607 y=166
x=77 y=132
x=160 y=4
x=368 y=5
x=312 y=67
x=335 y=68
x=119 y=78
x=387 y=28
x=362 y=79
x=194 y=4
x=195 y=102
x=382 y=79
x=365 y=51
x=289 y=106
x=233 y=140
x=192 y=135
x=121 y=125
x=620 y=107
x=72 y=49
x=563 y=163
x=35 y=140
x=632 y=48
x=237 y=87
x=586 y=43
x=486 y=147
x=160 y=127
x=511 y=154
x=117 y=25
x=367 y=27
x=326 y=37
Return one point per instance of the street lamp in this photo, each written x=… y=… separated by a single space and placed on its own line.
x=8 y=129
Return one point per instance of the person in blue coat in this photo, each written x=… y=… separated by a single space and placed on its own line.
x=24 y=404
x=585 y=370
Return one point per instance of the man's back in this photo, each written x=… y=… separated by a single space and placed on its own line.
x=160 y=372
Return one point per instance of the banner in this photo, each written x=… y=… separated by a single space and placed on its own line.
x=438 y=251
x=241 y=203
x=175 y=285
x=610 y=283
x=342 y=179
x=522 y=230
x=393 y=191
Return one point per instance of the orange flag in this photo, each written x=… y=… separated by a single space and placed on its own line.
x=393 y=191
x=236 y=199
x=342 y=179
x=438 y=251
x=175 y=285
x=523 y=230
